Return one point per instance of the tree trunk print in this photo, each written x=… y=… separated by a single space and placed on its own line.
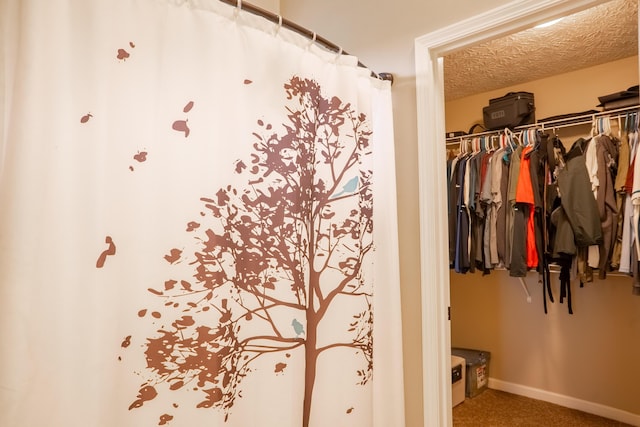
x=295 y=240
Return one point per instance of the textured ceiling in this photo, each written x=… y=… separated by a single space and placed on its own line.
x=604 y=33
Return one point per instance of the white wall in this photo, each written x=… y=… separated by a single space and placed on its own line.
x=270 y=5
x=381 y=33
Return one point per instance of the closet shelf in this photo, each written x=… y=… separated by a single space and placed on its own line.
x=578 y=120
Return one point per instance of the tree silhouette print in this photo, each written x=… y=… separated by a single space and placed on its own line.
x=274 y=256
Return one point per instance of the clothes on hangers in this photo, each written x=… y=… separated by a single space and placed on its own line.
x=529 y=202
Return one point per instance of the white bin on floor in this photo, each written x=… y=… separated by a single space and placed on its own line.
x=458 y=379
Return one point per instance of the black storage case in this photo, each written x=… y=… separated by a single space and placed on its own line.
x=513 y=109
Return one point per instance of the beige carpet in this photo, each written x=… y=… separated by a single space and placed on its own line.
x=493 y=408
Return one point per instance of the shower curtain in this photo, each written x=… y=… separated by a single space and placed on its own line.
x=197 y=222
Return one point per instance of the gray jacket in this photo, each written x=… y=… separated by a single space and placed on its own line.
x=577 y=201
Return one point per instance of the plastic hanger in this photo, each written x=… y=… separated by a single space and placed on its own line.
x=495 y=142
x=536 y=138
x=512 y=139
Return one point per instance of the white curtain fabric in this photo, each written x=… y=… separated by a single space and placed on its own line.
x=197 y=222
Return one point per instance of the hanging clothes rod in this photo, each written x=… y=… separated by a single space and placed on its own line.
x=555 y=124
x=586 y=118
x=278 y=19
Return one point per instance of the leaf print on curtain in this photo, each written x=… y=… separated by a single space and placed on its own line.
x=187 y=228
x=277 y=252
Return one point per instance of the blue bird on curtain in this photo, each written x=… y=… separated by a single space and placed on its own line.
x=350 y=187
x=297 y=327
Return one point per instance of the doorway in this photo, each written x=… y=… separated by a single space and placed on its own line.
x=429 y=52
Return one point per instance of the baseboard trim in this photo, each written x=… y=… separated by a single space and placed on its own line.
x=566 y=401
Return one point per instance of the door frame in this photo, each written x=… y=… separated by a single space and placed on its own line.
x=430 y=49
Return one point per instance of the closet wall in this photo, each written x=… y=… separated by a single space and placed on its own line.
x=591 y=355
x=560 y=94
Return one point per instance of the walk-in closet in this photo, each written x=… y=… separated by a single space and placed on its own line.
x=563 y=334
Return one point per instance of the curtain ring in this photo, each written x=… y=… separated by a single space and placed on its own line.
x=236 y=12
x=339 y=54
x=313 y=40
x=278 y=25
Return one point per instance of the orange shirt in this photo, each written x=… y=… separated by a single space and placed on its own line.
x=524 y=194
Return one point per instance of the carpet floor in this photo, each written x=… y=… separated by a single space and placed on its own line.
x=494 y=408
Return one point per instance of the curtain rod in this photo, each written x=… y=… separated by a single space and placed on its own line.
x=550 y=124
x=278 y=19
